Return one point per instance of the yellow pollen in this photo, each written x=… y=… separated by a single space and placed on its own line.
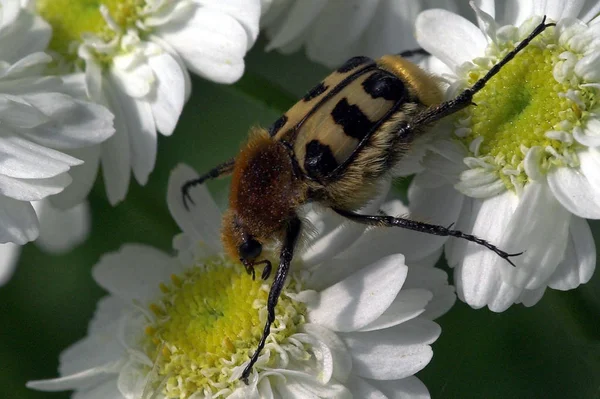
x=518 y=107
x=72 y=18
x=211 y=324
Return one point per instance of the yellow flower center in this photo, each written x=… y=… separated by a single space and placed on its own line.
x=72 y=18
x=524 y=106
x=207 y=323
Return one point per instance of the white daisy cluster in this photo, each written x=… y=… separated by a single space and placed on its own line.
x=40 y=125
x=333 y=31
x=355 y=319
x=135 y=56
x=524 y=159
x=184 y=327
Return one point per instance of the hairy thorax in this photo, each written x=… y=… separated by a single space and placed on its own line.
x=265 y=191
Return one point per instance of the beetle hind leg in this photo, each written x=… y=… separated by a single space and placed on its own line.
x=390 y=221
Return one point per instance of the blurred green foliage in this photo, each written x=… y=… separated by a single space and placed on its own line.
x=549 y=351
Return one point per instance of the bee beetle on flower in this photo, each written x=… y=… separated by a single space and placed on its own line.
x=334 y=147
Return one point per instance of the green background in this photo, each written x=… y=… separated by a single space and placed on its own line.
x=551 y=350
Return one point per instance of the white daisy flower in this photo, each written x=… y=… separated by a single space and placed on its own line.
x=333 y=31
x=135 y=56
x=40 y=126
x=349 y=323
x=524 y=160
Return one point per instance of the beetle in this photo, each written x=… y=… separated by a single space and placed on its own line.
x=333 y=147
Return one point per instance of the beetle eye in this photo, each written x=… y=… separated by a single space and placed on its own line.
x=250 y=249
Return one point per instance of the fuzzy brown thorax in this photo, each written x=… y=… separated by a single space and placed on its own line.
x=264 y=192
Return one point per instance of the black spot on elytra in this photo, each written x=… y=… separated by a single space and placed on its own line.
x=315 y=92
x=275 y=127
x=381 y=84
x=354 y=122
x=319 y=160
x=353 y=63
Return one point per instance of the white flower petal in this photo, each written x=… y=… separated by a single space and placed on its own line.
x=134 y=273
x=478 y=277
x=392 y=353
x=504 y=297
x=439 y=206
x=480 y=183
x=116 y=153
x=340 y=233
x=10 y=13
x=20 y=158
x=540 y=227
x=95 y=355
x=578 y=190
x=202 y=220
x=435 y=281
x=108 y=311
x=213 y=45
x=73 y=123
x=133 y=378
x=408 y=304
x=449 y=37
x=336 y=233
x=62 y=230
x=361 y=298
x=557 y=9
x=299 y=17
x=589 y=134
x=81 y=380
x=336 y=28
x=514 y=12
x=169 y=93
x=16 y=112
x=587 y=67
x=27 y=35
x=530 y=297
x=485 y=19
x=362 y=389
x=72 y=84
x=83 y=178
x=94 y=80
x=409 y=387
x=105 y=390
x=324 y=358
x=187 y=80
x=455 y=249
x=9 y=256
x=33 y=189
x=590 y=11
x=137 y=116
x=391 y=29
x=264 y=389
x=342 y=361
x=133 y=75
x=246 y=12
x=33 y=84
x=297 y=384
x=580 y=258
x=30 y=65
